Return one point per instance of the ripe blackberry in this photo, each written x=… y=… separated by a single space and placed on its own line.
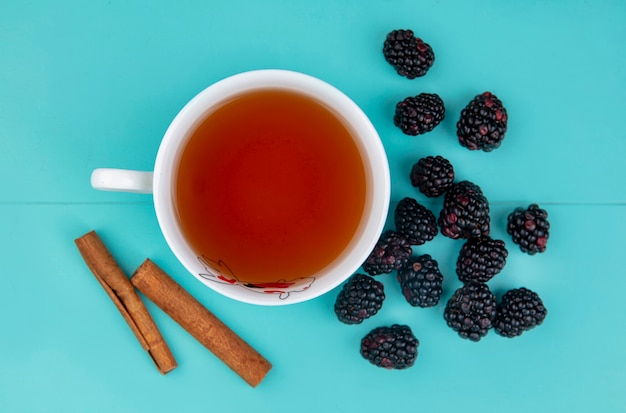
x=519 y=310
x=393 y=347
x=481 y=259
x=419 y=114
x=483 y=123
x=391 y=252
x=529 y=228
x=433 y=175
x=421 y=281
x=465 y=212
x=360 y=298
x=416 y=222
x=471 y=310
x=409 y=55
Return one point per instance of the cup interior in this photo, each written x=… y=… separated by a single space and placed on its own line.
x=215 y=274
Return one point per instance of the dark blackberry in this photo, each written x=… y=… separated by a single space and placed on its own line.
x=419 y=114
x=481 y=259
x=483 y=123
x=393 y=347
x=391 y=252
x=421 y=281
x=519 y=310
x=471 y=310
x=433 y=175
x=360 y=298
x=529 y=228
x=465 y=212
x=416 y=222
x=409 y=55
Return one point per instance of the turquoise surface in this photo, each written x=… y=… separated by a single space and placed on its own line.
x=95 y=84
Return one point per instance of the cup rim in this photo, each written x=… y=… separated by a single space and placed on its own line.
x=195 y=110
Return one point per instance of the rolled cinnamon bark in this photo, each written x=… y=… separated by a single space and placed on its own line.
x=121 y=291
x=203 y=325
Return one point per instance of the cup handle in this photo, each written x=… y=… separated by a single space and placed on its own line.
x=122 y=180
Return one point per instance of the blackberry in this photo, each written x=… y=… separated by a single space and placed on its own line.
x=391 y=252
x=519 y=310
x=409 y=55
x=471 y=310
x=416 y=222
x=465 y=212
x=433 y=175
x=393 y=347
x=421 y=281
x=360 y=298
x=529 y=228
x=483 y=123
x=481 y=259
x=419 y=114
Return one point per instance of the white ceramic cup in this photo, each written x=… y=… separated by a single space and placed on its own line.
x=161 y=183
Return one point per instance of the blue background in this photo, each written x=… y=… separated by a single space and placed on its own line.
x=95 y=84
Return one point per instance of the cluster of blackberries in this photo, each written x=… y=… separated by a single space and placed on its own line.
x=465 y=212
x=473 y=309
x=420 y=281
x=419 y=278
x=482 y=123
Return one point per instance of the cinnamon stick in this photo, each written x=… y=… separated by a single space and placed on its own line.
x=203 y=325
x=121 y=291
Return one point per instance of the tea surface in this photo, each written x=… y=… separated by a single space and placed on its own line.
x=272 y=184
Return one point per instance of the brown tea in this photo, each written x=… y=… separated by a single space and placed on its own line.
x=272 y=185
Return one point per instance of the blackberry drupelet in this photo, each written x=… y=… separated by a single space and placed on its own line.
x=529 y=228
x=471 y=310
x=465 y=212
x=421 y=281
x=483 y=123
x=480 y=259
x=519 y=310
x=419 y=114
x=391 y=252
x=360 y=298
x=416 y=222
x=393 y=347
x=432 y=175
x=409 y=55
